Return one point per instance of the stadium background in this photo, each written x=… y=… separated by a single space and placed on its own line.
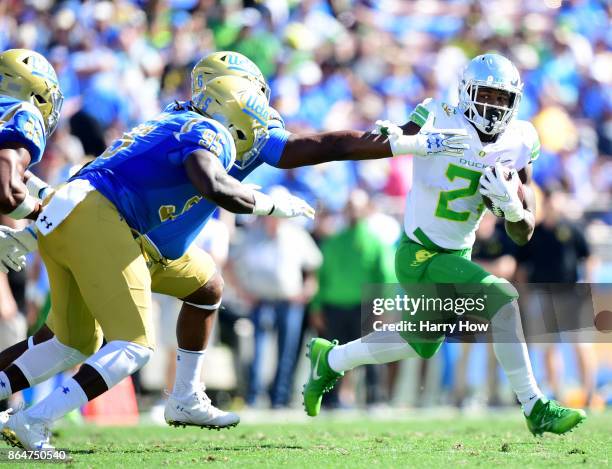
x=335 y=65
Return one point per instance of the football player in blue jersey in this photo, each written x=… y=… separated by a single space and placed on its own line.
x=30 y=104
x=178 y=269
x=89 y=237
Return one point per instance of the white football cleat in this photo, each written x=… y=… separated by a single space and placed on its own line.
x=19 y=431
x=197 y=410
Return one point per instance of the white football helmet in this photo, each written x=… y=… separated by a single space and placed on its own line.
x=489 y=71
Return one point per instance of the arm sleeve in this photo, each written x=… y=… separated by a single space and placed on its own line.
x=273 y=149
x=22 y=123
x=197 y=134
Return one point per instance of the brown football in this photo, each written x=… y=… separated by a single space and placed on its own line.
x=489 y=203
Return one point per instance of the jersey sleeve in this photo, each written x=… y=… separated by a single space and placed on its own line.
x=278 y=136
x=531 y=146
x=423 y=112
x=200 y=133
x=274 y=146
x=21 y=122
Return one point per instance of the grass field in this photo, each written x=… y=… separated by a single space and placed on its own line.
x=429 y=443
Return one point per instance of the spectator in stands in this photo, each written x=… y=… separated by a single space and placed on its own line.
x=352 y=258
x=274 y=263
x=559 y=253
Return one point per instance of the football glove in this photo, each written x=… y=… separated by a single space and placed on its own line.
x=14 y=245
x=426 y=142
x=282 y=205
x=503 y=192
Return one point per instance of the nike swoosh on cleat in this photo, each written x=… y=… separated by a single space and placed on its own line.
x=546 y=423
x=314 y=373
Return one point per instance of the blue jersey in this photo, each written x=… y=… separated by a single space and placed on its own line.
x=21 y=122
x=143 y=173
x=174 y=238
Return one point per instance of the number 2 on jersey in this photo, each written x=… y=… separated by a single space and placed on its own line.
x=454 y=171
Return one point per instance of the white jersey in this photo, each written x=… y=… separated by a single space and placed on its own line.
x=444 y=203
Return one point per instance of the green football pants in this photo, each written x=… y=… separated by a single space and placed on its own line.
x=433 y=272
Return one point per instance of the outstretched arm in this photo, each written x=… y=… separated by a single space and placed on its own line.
x=305 y=150
x=310 y=149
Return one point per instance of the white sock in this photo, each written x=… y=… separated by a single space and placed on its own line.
x=511 y=352
x=188 y=372
x=5 y=386
x=373 y=349
x=67 y=397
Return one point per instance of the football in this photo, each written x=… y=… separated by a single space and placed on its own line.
x=491 y=205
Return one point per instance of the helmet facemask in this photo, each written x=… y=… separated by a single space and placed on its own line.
x=493 y=72
x=489 y=118
x=242 y=109
x=50 y=107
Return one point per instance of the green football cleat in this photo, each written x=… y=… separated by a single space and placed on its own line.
x=322 y=378
x=550 y=416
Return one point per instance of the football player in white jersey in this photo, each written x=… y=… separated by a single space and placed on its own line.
x=443 y=212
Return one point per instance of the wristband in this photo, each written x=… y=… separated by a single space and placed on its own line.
x=264 y=205
x=26 y=207
x=37 y=187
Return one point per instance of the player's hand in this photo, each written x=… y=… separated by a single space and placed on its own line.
x=11 y=254
x=501 y=187
x=14 y=245
x=281 y=204
x=453 y=141
x=426 y=142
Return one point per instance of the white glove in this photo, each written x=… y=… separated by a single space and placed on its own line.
x=281 y=204
x=503 y=192
x=14 y=245
x=387 y=128
x=426 y=142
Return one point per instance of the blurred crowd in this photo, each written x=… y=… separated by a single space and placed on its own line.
x=332 y=65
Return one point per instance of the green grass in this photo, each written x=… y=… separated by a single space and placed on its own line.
x=323 y=443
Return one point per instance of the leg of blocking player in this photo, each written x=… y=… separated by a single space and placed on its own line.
x=188 y=403
x=29 y=429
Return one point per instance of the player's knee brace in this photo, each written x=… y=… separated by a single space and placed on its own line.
x=119 y=359
x=41 y=361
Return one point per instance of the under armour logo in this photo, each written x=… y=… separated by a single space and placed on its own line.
x=178 y=358
x=65 y=390
x=46 y=222
x=3 y=384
